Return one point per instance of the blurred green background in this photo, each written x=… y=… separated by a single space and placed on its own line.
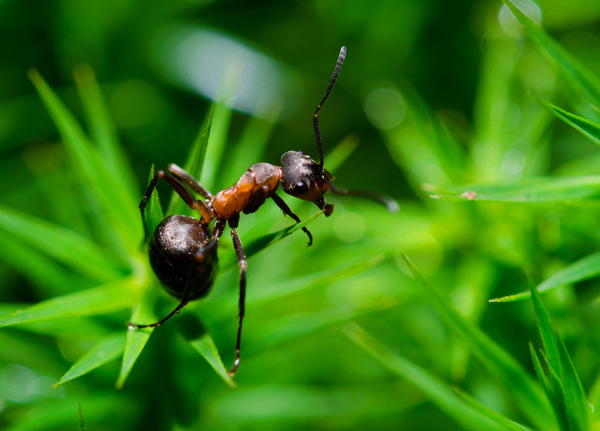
x=431 y=92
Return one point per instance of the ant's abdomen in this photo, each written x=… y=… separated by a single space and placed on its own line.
x=172 y=249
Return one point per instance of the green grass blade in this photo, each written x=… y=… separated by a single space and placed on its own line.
x=583 y=269
x=218 y=139
x=105 y=351
x=249 y=150
x=103 y=129
x=577 y=409
x=154 y=213
x=98 y=300
x=435 y=389
x=527 y=394
x=491 y=414
x=137 y=338
x=577 y=75
x=194 y=333
x=62 y=244
x=116 y=205
x=46 y=273
x=540 y=372
x=270 y=239
x=193 y=165
x=560 y=191
x=588 y=128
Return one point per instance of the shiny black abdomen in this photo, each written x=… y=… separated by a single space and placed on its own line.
x=172 y=249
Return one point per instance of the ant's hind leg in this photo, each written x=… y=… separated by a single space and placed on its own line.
x=179 y=188
x=185 y=177
x=287 y=211
x=243 y=264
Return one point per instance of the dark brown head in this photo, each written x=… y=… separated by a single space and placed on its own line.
x=305 y=179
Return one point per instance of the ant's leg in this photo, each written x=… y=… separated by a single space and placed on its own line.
x=380 y=198
x=336 y=72
x=175 y=184
x=199 y=258
x=184 y=176
x=219 y=227
x=239 y=251
x=287 y=211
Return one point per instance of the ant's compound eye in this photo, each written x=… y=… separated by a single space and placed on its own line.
x=301 y=188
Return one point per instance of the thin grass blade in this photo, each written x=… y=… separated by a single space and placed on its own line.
x=107 y=298
x=577 y=409
x=46 y=273
x=103 y=129
x=435 y=389
x=200 y=339
x=583 y=269
x=62 y=244
x=137 y=338
x=527 y=394
x=115 y=204
x=193 y=164
x=105 y=351
x=218 y=140
x=270 y=239
x=577 y=75
x=587 y=127
x=559 y=191
x=551 y=387
x=154 y=213
x=489 y=413
x=248 y=150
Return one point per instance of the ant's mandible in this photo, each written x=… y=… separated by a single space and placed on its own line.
x=183 y=251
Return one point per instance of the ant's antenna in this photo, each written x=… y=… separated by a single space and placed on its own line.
x=336 y=72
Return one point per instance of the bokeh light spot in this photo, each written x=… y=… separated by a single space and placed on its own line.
x=349 y=227
x=385 y=108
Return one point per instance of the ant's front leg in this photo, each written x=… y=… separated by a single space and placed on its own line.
x=287 y=211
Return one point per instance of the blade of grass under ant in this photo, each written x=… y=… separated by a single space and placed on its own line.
x=115 y=204
x=142 y=313
x=489 y=413
x=103 y=129
x=62 y=244
x=583 y=269
x=270 y=239
x=588 y=128
x=195 y=333
x=105 y=351
x=106 y=298
x=578 y=76
x=559 y=191
x=435 y=389
x=577 y=409
x=194 y=164
x=524 y=390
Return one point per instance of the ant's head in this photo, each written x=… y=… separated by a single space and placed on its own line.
x=305 y=179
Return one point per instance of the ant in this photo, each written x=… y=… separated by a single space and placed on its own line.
x=183 y=251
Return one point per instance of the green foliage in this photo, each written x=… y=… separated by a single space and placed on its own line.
x=485 y=131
